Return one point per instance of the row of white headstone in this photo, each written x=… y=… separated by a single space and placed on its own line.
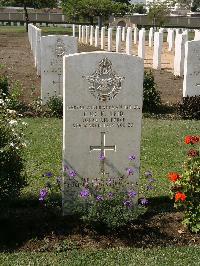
x=48 y=52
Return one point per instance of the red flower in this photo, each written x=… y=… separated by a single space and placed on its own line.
x=193 y=153
x=187 y=139
x=180 y=196
x=174 y=177
x=191 y=139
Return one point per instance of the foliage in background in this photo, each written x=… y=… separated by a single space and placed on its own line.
x=4 y=87
x=137 y=8
x=186 y=187
x=74 y=9
x=12 y=177
x=189 y=108
x=151 y=96
x=55 y=106
x=158 y=12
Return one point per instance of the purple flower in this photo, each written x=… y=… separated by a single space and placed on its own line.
x=99 y=198
x=127 y=203
x=130 y=171
x=148 y=173
x=101 y=157
x=43 y=194
x=58 y=180
x=149 y=187
x=66 y=168
x=131 y=157
x=132 y=194
x=151 y=180
x=72 y=173
x=144 y=202
x=85 y=193
x=48 y=174
x=110 y=194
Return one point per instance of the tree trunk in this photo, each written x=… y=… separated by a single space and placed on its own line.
x=100 y=21
x=26 y=16
x=91 y=20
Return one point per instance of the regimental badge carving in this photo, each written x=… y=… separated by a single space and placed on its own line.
x=105 y=83
x=60 y=48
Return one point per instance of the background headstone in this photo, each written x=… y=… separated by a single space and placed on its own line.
x=53 y=48
x=191 y=83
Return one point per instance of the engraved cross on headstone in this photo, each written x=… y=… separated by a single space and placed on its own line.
x=59 y=82
x=103 y=148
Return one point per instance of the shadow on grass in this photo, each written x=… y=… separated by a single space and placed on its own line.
x=27 y=220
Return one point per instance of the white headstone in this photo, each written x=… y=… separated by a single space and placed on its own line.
x=191 y=83
x=118 y=39
x=53 y=47
x=74 y=30
x=102 y=117
x=110 y=39
x=170 y=38
x=151 y=33
x=123 y=34
x=83 y=38
x=103 y=31
x=141 y=44
x=38 y=51
x=135 y=35
x=129 y=41
x=196 y=35
x=91 y=34
x=179 y=54
x=79 y=32
x=96 y=37
x=87 y=34
x=157 y=51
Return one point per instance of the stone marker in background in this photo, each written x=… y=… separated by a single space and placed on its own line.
x=83 y=37
x=101 y=120
x=118 y=39
x=157 y=51
x=135 y=38
x=53 y=47
x=123 y=34
x=141 y=44
x=74 y=30
x=170 y=39
x=179 y=54
x=87 y=34
x=191 y=83
x=129 y=41
x=79 y=32
x=196 y=35
x=96 y=37
x=151 y=33
x=38 y=51
x=103 y=32
x=110 y=39
x=91 y=34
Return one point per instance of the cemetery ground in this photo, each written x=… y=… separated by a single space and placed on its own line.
x=31 y=232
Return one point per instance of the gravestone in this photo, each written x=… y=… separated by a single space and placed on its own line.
x=135 y=38
x=151 y=32
x=110 y=39
x=157 y=51
x=170 y=39
x=96 y=37
x=102 y=118
x=129 y=41
x=91 y=34
x=118 y=39
x=53 y=47
x=141 y=43
x=179 y=54
x=103 y=32
x=191 y=82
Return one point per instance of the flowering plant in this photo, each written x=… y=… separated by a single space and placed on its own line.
x=12 y=143
x=106 y=200
x=186 y=187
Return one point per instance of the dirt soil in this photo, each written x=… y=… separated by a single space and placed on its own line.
x=17 y=63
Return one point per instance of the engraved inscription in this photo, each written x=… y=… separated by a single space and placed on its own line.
x=105 y=84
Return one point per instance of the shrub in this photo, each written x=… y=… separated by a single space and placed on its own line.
x=55 y=106
x=186 y=187
x=12 y=177
x=151 y=97
x=189 y=108
x=4 y=87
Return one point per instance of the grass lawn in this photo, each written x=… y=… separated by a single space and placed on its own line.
x=185 y=256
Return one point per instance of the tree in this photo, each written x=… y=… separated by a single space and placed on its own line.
x=92 y=8
x=137 y=8
x=29 y=3
x=193 y=5
x=158 y=12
